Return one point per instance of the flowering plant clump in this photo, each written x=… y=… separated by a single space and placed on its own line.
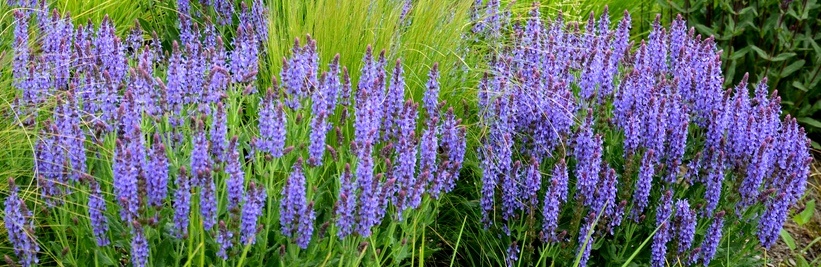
x=177 y=151
x=195 y=150
x=607 y=141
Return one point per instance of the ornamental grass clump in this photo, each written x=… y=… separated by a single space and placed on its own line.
x=176 y=156
x=655 y=147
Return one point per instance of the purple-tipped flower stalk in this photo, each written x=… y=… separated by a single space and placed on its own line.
x=182 y=204
x=686 y=225
x=245 y=57
x=225 y=239
x=19 y=224
x=431 y=98
x=346 y=204
x=272 y=123
x=157 y=177
x=139 y=246
x=96 y=212
x=644 y=184
x=219 y=130
x=664 y=231
x=296 y=216
x=251 y=211
x=200 y=160
x=208 y=202
x=236 y=177
x=588 y=152
x=366 y=184
x=711 y=239
x=319 y=130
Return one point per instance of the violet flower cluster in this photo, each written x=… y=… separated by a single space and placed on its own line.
x=666 y=92
x=174 y=165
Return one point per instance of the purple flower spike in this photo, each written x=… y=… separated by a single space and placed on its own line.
x=319 y=130
x=686 y=225
x=296 y=217
x=157 y=184
x=245 y=57
x=236 y=177
x=225 y=239
x=550 y=211
x=182 y=204
x=305 y=228
x=405 y=169
x=367 y=191
x=586 y=238
x=272 y=123
x=19 y=224
x=208 y=202
x=139 y=246
x=177 y=82
x=96 y=212
x=346 y=204
x=431 y=98
x=125 y=182
x=453 y=145
x=644 y=184
x=773 y=218
x=251 y=211
x=588 y=152
x=200 y=161
x=512 y=254
x=711 y=239
x=219 y=130
x=428 y=149
x=663 y=234
x=394 y=102
x=531 y=183
x=293 y=197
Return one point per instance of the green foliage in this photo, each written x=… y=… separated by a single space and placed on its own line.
x=766 y=39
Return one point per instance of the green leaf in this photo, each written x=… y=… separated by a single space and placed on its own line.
x=760 y=52
x=805 y=216
x=103 y=258
x=801 y=262
x=787 y=239
x=807 y=121
x=815 y=107
x=783 y=56
x=792 y=68
x=705 y=30
x=815 y=145
x=798 y=85
x=750 y=8
x=740 y=53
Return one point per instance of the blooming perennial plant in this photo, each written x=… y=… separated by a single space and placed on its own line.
x=584 y=137
x=647 y=131
x=183 y=167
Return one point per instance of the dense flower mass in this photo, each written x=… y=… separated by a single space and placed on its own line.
x=582 y=138
x=667 y=100
x=161 y=121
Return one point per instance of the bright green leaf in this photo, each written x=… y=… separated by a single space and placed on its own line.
x=798 y=85
x=787 y=239
x=807 y=121
x=783 y=56
x=103 y=258
x=792 y=68
x=740 y=53
x=815 y=145
x=705 y=30
x=760 y=52
x=805 y=216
